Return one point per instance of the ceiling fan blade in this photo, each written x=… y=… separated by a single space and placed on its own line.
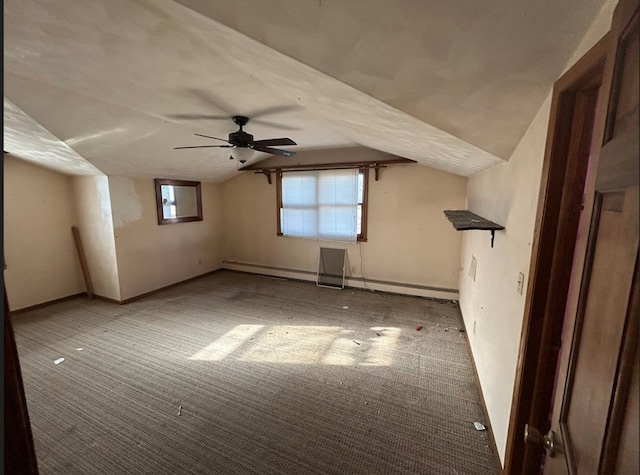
x=210 y=137
x=198 y=116
x=270 y=142
x=274 y=151
x=204 y=146
x=273 y=110
x=277 y=125
x=206 y=97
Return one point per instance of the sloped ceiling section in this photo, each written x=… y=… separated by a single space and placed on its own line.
x=452 y=84
x=30 y=141
x=477 y=69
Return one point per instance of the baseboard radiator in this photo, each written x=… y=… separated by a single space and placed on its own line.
x=354 y=282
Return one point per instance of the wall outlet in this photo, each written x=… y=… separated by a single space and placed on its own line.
x=472 y=268
x=353 y=270
x=520 y=282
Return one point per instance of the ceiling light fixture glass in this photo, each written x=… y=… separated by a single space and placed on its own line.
x=242 y=154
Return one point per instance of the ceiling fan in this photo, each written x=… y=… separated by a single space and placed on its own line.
x=242 y=144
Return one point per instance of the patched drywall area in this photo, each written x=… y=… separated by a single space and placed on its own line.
x=125 y=202
x=492 y=292
x=409 y=239
x=39 y=251
x=95 y=223
x=151 y=256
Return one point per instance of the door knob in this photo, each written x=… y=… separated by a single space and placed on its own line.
x=533 y=436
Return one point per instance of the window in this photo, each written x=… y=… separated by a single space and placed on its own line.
x=168 y=201
x=323 y=204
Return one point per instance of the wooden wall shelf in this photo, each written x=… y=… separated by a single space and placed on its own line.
x=465 y=220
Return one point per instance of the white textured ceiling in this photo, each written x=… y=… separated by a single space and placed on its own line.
x=91 y=86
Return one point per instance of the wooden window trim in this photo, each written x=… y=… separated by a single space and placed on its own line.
x=362 y=237
x=279 y=202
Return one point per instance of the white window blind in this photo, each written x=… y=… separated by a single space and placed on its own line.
x=320 y=204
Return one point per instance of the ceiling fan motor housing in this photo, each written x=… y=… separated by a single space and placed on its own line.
x=240 y=138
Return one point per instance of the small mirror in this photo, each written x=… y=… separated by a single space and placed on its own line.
x=178 y=201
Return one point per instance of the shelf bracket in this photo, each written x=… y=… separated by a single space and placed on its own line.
x=266 y=173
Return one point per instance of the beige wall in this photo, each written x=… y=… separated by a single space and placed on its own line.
x=150 y=256
x=127 y=252
x=409 y=239
x=39 y=211
x=93 y=207
x=491 y=306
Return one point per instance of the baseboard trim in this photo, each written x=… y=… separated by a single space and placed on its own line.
x=295 y=274
x=354 y=282
x=106 y=299
x=109 y=299
x=494 y=446
x=175 y=284
x=46 y=304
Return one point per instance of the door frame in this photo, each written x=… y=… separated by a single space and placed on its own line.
x=555 y=236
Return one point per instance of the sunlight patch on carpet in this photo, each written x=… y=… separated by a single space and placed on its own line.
x=227 y=343
x=295 y=344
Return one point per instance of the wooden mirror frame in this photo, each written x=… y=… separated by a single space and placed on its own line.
x=195 y=184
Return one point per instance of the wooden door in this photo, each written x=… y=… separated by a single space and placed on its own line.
x=594 y=418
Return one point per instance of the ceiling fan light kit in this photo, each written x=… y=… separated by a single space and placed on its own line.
x=242 y=144
x=242 y=154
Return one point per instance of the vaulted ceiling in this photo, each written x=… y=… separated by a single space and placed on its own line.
x=99 y=86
